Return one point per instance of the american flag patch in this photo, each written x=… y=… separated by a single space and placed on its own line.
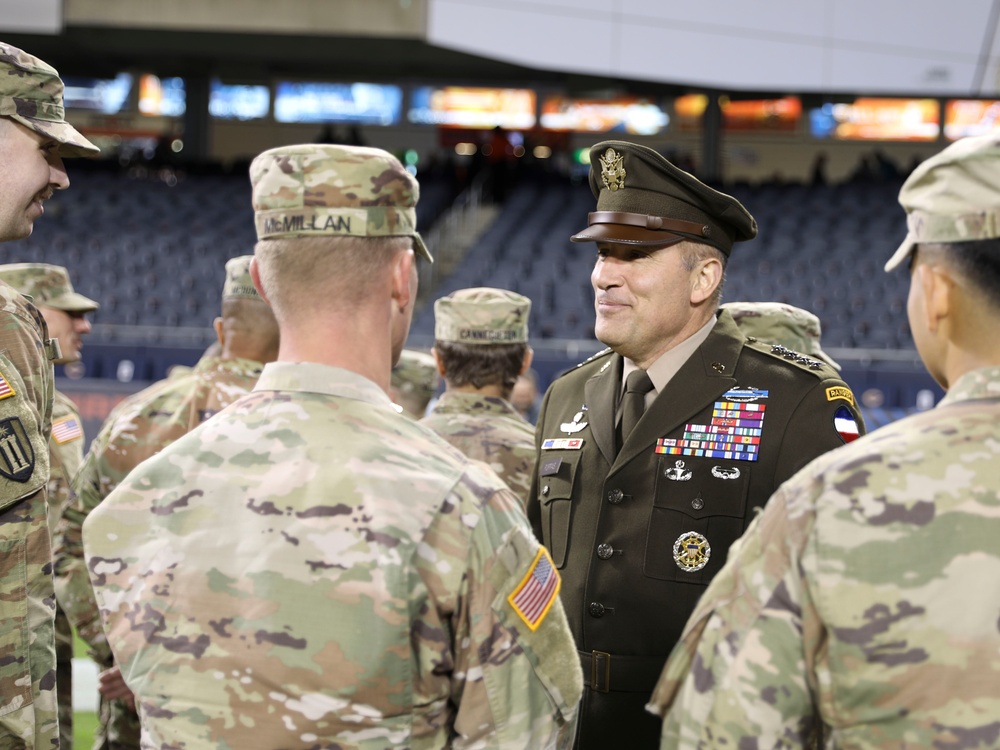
x=5 y=390
x=66 y=429
x=534 y=596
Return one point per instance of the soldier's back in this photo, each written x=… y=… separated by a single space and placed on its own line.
x=315 y=551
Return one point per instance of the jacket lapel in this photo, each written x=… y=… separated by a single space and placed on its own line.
x=706 y=375
x=601 y=396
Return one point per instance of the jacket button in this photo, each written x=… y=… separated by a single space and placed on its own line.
x=697 y=503
x=596 y=609
x=615 y=496
x=545 y=490
x=604 y=551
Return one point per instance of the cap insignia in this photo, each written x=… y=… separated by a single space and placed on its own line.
x=612 y=171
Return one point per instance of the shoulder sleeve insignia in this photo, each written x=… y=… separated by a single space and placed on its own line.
x=840 y=392
x=66 y=429
x=6 y=390
x=534 y=595
x=17 y=457
x=846 y=425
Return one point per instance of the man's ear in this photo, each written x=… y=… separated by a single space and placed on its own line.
x=255 y=275
x=706 y=278
x=403 y=273
x=220 y=331
x=938 y=289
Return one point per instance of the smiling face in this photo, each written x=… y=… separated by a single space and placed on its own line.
x=32 y=169
x=648 y=300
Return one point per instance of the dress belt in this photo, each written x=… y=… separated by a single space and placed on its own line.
x=608 y=673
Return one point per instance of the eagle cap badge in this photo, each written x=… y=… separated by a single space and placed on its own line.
x=612 y=170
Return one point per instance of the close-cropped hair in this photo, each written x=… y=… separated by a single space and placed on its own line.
x=302 y=272
x=481 y=365
x=976 y=261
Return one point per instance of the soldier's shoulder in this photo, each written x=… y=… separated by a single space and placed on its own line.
x=772 y=354
x=593 y=364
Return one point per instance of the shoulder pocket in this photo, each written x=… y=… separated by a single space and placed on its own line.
x=24 y=454
x=527 y=604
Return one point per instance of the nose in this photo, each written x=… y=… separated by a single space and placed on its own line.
x=82 y=325
x=58 y=179
x=605 y=274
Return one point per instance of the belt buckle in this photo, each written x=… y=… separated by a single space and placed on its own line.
x=600 y=671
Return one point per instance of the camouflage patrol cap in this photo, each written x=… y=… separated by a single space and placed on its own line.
x=415 y=373
x=46 y=285
x=778 y=323
x=321 y=189
x=31 y=93
x=482 y=316
x=238 y=283
x=643 y=199
x=954 y=196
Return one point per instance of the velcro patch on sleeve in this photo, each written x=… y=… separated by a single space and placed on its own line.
x=66 y=429
x=6 y=390
x=534 y=595
x=839 y=391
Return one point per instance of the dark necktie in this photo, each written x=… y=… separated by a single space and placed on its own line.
x=637 y=385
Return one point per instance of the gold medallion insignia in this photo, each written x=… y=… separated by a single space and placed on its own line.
x=612 y=170
x=692 y=551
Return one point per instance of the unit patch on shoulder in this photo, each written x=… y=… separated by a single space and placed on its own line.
x=846 y=424
x=537 y=591
x=66 y=429
x=17 y=457
x=839 y=391
x=6 y=391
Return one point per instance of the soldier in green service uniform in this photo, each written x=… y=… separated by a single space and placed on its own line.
x=138 y=428
x=481 y=347
x=860 y=609
x=653 y=457
x=312 y=568
x=65 y=312
x=34 y=139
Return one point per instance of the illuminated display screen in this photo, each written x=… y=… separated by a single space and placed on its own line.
x=107 y=95
x=238 y=102
x=624 y=115
x=164 y=97
x=513 y=109
x=963 y=117
x=363 y=103
x=750 y=115
x=878 y=120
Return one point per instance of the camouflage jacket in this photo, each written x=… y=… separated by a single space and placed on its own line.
x=862 y=604
x=490 y=430
x=138 y=428
x=66 y=451
x=28 y=709
x=334 y=575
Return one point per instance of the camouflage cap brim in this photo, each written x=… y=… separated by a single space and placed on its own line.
x=73 y=302
x=902 y=253
x=71 y=141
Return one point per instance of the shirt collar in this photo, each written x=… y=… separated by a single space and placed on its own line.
x=309 y=377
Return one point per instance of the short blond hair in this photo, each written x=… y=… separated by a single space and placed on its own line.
x=299 y=274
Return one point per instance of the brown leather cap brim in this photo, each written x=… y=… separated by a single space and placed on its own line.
x=627 y=235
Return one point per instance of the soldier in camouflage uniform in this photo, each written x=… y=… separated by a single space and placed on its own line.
x=65 y=313
x=790 y=327
x=138 y=428
x=311 y=568
x=481 y=347
x=861 y=607
x=414 y=381
x=34 y=138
